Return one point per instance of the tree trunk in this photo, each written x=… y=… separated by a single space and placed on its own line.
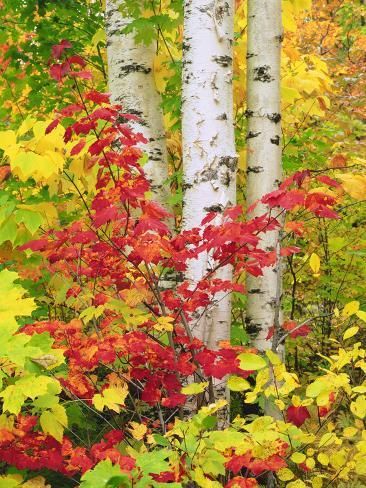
x=209 y=157
x=131 y=83
x=264 y=154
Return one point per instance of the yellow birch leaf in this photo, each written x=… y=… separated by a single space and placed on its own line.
x=352 y=331
x=350 y=309
x=194 y=388
x=314 y=263
x=361 y=315
x=358 y=407
x=298 y=457
x=285 y=474
x=236 y=383
x=323 y=459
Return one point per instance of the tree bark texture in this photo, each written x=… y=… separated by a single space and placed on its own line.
x=209 y=157
x=131 y=83
x=263 y=153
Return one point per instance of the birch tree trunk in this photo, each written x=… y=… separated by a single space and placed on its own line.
x=263 y=153
x=209 y=157
x=131 y=84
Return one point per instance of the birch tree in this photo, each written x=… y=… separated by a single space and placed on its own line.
x=209 y=158
x=263 y=153
x=131 y=83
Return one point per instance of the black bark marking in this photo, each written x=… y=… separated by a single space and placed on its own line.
x=230 y=162
x=256 y=291
x=214 y=208
x=222 y=117
x=251 y=135
x=255 y=169
x=133 y=68
x=275 y=140
x=274 y=117
x=262 y=73
x=224 y=61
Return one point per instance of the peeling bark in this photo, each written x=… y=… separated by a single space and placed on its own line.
x=263 y=152
x=209 y=157
x=131 y=83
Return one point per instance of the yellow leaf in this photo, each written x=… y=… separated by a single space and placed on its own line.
x=98 y=37
x=361 y=315
x=26 y=125
x=323 y=459
x=350 y=309
x=7 y=139
x=194 y=388
x=302 y=5
x=37 y=482
x=352 y=331
x=358 y=407
x=317 y=482
x=251 y=362
x=15 y=304
x=296 y=484
x=354 y=185
x=236 y=383
x=350 y=431
x=285 y=474
x=327 y=439
x=288 y=20
x=298 y=457
x=164 y=324
x=111 y=398
x=314 y=263
x=137 y=430
x=53 y=422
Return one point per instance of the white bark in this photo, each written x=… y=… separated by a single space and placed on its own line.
x=263 y=152
x=209 y=157
x=131 y=84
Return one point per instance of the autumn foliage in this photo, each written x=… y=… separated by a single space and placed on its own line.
x=103 y=383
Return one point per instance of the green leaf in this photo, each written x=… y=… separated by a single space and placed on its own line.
x=251 y=362
x=153 y=462
x=104 y=475
x=212 y=462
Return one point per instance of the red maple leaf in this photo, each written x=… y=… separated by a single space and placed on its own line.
x=297 y=415
x=238 y=481
x=58 y=49
x=97 y=97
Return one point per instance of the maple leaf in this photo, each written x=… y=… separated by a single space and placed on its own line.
x=297 y=415
x=302 y=331
x=239 y=482
x=58 y=71
x=85 y=75
x=97 y=97
x=71 y=109
x=76 y=59
x=174 y=400
x=58 y=49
